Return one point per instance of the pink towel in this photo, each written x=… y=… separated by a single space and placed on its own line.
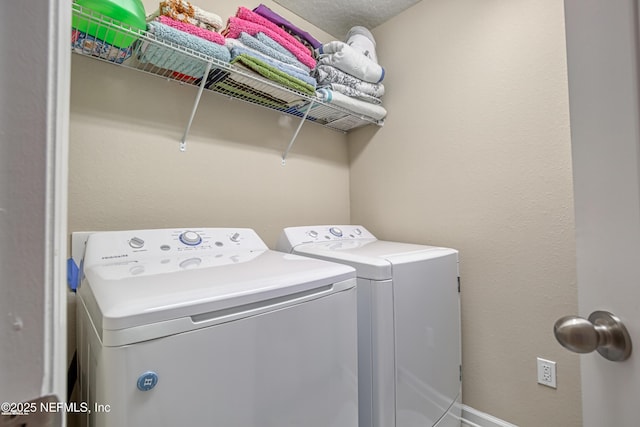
x=235 y=26
x=249 y=15
x=276 y=33
x=192 y=29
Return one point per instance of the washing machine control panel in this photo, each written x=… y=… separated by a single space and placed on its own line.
x=187 y=246
x=293 y=236
x=190 y=238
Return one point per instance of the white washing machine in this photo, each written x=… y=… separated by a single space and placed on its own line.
x=208 y=327
x=410 y=369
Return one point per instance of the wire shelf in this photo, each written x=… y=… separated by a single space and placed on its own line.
x=143 y=51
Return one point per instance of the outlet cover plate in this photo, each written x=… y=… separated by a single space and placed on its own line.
x=547 y=372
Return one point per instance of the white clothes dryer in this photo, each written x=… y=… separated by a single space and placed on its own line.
x=208 y=327
x=409 y=349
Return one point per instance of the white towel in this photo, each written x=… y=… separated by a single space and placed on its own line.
x=362 y=40
x=343 y=57
x=376 y=112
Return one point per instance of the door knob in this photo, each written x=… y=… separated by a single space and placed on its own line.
x=602 y=331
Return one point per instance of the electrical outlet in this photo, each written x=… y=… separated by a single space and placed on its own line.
x=547 y=372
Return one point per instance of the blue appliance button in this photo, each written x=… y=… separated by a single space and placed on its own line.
x=147 y=381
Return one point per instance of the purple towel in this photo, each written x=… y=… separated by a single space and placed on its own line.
x=269 y=14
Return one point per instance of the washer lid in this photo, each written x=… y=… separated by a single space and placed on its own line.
x=140 y=292
x=372 y=258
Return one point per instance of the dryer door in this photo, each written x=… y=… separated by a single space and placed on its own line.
x=427 y=319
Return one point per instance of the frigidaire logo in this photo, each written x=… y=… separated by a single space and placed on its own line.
x=115 y=256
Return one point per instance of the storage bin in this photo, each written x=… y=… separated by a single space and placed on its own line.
x=89 y=45
x=130 y=13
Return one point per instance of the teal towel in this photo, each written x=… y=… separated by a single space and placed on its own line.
x=254 y=43
x=169 y=59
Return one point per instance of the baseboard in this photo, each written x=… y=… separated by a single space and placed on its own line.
x=474 y=418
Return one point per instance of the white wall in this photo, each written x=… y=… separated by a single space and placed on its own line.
x=33 y=126
x=22 y=204
x=475 y=154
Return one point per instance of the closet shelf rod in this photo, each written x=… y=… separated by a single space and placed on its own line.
x=295 y=135
x=183 y=142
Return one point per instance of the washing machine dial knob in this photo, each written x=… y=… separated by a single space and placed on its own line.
x=235 y=237
x=335 y=231
x=136 y=243
x=190 y=238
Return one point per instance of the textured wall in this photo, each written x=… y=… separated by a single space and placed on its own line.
x=475 y=154
x=126 y=171
x=337 y=17
x=23 y=193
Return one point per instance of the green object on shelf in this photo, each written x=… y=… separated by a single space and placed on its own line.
x=128 y=12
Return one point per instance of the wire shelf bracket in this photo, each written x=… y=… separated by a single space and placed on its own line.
x=183 y=141
x=295 y=134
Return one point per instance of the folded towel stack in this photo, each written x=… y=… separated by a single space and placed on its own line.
x=212 y=36
x=260 y=45
x=181 y=23
x=302 y=36
x=254 y=21
x=182 y=10
x=348 y=74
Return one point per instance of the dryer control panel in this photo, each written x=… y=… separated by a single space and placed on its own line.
x=294 y=236
x=114 y=246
